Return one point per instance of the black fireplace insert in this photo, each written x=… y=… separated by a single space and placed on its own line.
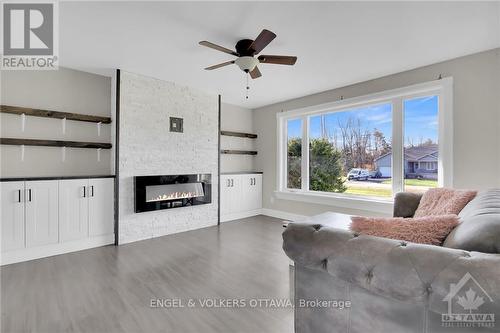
x=171 y=191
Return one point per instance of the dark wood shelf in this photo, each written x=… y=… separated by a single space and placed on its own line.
x=54 y=143
x=53 y=114
x=238 y=152
x=239 y=134
x=18 y=179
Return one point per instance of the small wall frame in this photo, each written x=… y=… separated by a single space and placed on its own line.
x=176 y=124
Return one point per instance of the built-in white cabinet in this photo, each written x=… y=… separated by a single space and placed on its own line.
x=46 y=217
x=41 y=213
x=241 y=195
x=73 y=209
x=13 y=228
x=101 y=203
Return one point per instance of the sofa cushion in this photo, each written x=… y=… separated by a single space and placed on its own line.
x=442 y=201
x=430 y=230
x=479 y=229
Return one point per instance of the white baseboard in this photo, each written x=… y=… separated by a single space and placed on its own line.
x=12 y=257
x=240 y=215
x=279 y=214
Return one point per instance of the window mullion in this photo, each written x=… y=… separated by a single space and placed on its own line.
x=305 y=154
x=397 y=145
x=283 y=154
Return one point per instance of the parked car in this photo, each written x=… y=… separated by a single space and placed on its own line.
x=375 y=174
x=358 y=174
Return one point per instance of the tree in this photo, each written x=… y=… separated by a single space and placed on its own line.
x=294 y=162
x=380 y=142
x=356 y=143
x=325 y=167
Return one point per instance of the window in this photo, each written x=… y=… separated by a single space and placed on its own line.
x=421 y=148
x=368 y=148
x=349 y=150
x=294 y=153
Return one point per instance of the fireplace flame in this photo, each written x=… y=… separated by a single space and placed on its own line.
x=176 y=195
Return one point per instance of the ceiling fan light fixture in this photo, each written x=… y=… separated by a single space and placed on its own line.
x=246 y=63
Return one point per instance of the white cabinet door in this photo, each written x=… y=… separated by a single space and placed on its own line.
x=12 y=215
x=231 y=201
x=246 y=187
x=73 y=209
x=101 y=206
x=236 y=199
x=42 y=222
x=225 y=194
x=255 y=192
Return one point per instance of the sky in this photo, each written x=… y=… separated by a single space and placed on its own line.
x=420 y=119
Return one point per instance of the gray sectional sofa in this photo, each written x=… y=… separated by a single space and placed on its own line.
x=357 y=284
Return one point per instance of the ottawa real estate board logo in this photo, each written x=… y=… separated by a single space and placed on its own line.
x=466 y=301
x=30 y=35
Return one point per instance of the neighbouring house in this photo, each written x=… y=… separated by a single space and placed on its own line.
x=419 y=162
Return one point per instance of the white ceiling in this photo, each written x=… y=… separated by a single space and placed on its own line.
x=337 y=43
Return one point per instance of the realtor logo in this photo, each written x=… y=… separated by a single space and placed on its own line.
x=464 y=302
x=29 y=35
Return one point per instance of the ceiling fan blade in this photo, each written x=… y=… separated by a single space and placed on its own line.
x=218 y=47
x=255 y=73
x=220 y=65
x=262 y=40
x=277 y=59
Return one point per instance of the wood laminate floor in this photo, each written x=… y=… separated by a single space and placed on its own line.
x=109 y=289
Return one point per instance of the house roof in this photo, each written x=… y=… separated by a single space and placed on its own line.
x=418 y=152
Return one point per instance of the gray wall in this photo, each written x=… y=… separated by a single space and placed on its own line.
x=62 y=90
x=147 y=147
x=476 y=123
x=237 y=119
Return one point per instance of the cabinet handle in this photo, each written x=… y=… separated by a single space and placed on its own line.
x=18 y=195
x=29 y=195
x=228 y=183
x=232 y=182
x=84 y=192
x=251 y=181
x=92 y=191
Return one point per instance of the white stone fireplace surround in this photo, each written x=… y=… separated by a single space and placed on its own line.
x=147 y=147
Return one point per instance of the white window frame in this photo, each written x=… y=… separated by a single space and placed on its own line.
x=443 y=88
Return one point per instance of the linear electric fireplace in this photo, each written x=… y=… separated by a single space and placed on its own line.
x=172 y=191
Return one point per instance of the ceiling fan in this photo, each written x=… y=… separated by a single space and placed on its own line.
x=246 y=50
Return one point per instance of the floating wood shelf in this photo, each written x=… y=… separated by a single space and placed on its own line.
x=239 y=134
x=53 y=114
x=238 y=152
x=54 y=143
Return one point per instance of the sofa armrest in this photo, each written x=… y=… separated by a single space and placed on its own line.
x=394 y=269
x=405 y=204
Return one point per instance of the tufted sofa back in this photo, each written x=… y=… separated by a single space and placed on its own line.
x=479 y=229
x=386 y=273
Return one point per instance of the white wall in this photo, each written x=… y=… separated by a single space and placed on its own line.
x=64 y=90
x=476 y=121
x=237 y=119
x=147 y=147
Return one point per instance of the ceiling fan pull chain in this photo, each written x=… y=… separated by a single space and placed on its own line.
x=248 y=87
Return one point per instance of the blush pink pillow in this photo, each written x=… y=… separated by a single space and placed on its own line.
x=424 y=230
x=443 y=201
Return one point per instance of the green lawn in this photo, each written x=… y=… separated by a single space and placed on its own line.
x=416 y=182
x=378 y=190
x=370 y=191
